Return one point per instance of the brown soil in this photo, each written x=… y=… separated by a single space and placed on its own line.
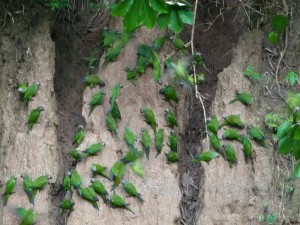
x=215 y=44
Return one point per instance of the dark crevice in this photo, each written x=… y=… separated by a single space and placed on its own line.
x=216 y=45
x=72 y=44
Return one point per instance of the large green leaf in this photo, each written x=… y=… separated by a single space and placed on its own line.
x=132 y=18
x=283 y=129
x=279 y=23
x=148 y=15
x=122 y=8
x=159 y=6
x=163 y=20
x=186 y=16
x=285 y=144
x=297 y=170
x=175 y=22
x=297 y=133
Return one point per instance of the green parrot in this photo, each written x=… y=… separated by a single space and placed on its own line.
x=234 y=121
x=109 y=37
x=213 y=124
x=96 y=99
x=118 y=202
x=257 y=134
x=159 y=42
x=40 y=182
x=28 y=188
x=94 y=149
x=231 y=134
x=67 y=181
x=111 y=124
x=129 y=137
x=31 y=92
x=28 y=217
x=34 y=116
x=22 y=88
x=97 y=169
x=93 y=80
x=90 y=195
x=156 y=68
x=9 y=189
x=149 y=117
x=243 y=97
x=67 y=205
x=117 y=171
x=132 y=75
x=179 y=73
x=131 y=190
x=229 y=154
x=79 y=135
x=170 y=118
x=197 y=58
x=76 y=179
x=100 y=189
x=112 y=54
x=178 y=43
x=159 y=140
x=206 y=156
x=115 y=111
x=138 y=168
x=78 y=155
x=115 y=92
x=170 y=93
x=247 y=146
x=146 y=142
x=173 y=142
x=215 y=141
x=172 y=157
x=131 y=156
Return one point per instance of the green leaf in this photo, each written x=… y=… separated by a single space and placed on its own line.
x=285 y=144
x=273 y=37
x=284 y=129
x=163 y=20
x=148 y=15
x=279 y=23
x=296 y=150
x=186 y=16
x=132 y=18
x=291 y=77
x=175 y=23
x=297 y=170
x=250 y=72
x=122 y=8
x=293 y=100
x=271 y=219
x=297 y=134
x=159 y=6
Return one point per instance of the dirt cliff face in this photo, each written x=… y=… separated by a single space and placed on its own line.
x=159 y=187
x=27 y=55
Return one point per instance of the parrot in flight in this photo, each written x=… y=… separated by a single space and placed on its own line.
x=79 y=135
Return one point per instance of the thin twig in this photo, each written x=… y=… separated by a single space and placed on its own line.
x=282 y=53
x=197 y=94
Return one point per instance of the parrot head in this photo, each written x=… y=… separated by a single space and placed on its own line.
x=166 y=111
x=103 y=143
x=41 y=108
x=80 y=126
x=93 y=180
x=69 y=173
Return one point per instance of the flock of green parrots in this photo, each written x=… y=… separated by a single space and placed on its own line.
x=231 y=121
x=113 y=42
